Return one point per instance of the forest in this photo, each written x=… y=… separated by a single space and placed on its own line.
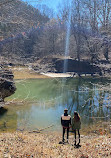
x=28 y=33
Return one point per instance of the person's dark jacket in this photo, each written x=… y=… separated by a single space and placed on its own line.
x=65 y=120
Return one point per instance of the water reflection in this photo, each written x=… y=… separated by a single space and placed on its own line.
x=45 y=100
x=2 y=111
x=8 y=119
x=91 y=98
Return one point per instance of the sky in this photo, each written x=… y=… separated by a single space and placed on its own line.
x=50 y=3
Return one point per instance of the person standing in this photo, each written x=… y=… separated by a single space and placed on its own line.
x=76 y=126
x=65 y=122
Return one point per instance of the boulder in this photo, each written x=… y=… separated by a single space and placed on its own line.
x=7 y=85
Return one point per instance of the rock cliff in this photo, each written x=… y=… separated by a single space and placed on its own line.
x=7 y=85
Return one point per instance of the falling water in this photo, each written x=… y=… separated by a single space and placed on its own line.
x=67 y=39
x=66 y=54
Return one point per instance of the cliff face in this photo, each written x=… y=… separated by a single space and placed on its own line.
x=7 y=85
x=57 y=65
x=80 y=67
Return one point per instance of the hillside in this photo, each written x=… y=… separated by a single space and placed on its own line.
x=17 y=17
x=18 y=23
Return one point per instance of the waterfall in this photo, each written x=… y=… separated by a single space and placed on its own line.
x=66 y=53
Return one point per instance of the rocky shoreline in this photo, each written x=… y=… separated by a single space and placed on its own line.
x=25 y=72
x=84 y=67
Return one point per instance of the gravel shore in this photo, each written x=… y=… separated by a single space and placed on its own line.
x=46 y=145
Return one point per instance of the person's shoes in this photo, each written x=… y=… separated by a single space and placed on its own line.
x=60 y=142
x=74 y=144
x=78 y=145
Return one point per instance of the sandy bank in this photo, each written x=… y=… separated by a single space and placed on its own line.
x=42 y=145
x=27 y=73
x=56 y=74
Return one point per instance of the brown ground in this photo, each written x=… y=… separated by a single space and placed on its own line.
x=42 y=145
x=25 y=73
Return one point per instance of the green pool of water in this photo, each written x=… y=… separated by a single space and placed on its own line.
x=39 y=103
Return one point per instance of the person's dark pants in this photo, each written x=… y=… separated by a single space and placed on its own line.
x=75 y=136
x=64 y=133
